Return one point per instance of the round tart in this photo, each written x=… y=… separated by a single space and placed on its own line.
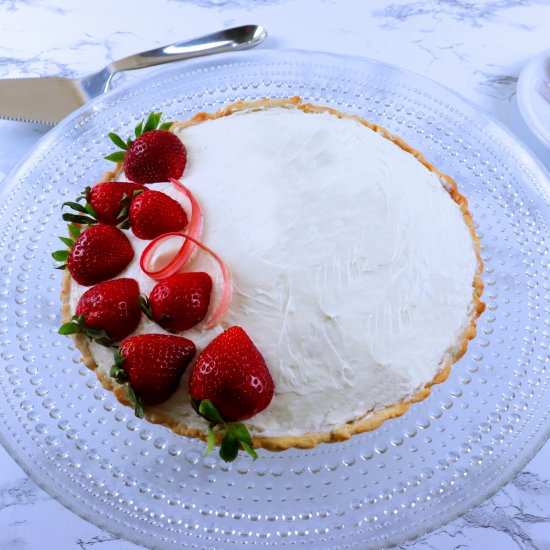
x=354 y=263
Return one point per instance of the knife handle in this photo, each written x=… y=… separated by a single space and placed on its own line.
x=237 y=38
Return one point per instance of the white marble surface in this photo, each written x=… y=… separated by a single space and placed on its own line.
x=475 y=48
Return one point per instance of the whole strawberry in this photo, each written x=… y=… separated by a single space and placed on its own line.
x=107 y=202
x=108 y=312
x=98 y=253
x=232 y=373
x=180 y=301
x=111 y=200
x=155 y=155
x=152 y=364
x=153 y=213
x=229 y=382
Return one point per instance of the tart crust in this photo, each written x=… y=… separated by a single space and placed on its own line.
x=372 y=419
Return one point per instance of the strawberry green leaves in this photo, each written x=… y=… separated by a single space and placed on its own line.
x=77 y=326
x=121 y=376
x=117 y=372
x=123 y=216
x=208 y=410
x=107 y=202
x=153 y=154
x=85 y=213
x=236 y=436
x=118 y=156
x=134 y=398
x=152 y=123
x=152 y=366
x=63 y=255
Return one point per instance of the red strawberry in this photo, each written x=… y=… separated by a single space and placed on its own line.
x=106 y=202
x=152 y=364
x=107 y=312
x=232 y=374
x=180 y=301
x=100 y=252
x=110 y=200
x=155 y=155
x=153 y=213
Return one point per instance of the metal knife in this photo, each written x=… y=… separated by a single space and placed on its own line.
x=47 y=100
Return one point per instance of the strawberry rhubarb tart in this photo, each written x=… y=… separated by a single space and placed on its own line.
x=275 y=275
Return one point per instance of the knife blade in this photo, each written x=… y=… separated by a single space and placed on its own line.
x=44 y=100
x=47 y=100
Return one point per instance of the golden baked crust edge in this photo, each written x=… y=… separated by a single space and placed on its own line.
x=371 y=420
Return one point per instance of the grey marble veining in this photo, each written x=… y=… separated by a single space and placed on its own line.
x=475 y=14
x=98 y=541
x=518 y=516
x=231 y=4
x=498 y=86
x=24 y=493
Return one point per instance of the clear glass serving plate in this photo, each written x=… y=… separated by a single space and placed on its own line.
x=415 y=473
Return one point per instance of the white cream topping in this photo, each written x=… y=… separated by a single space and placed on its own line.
x=352 y=267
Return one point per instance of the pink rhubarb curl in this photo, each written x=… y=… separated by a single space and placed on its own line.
x=227 y=287
x=194 y=230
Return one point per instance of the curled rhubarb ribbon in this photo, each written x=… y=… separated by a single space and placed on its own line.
x=183 y=254
x=227 y=287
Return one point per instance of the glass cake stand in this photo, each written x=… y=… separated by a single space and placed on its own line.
x=415 y=473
